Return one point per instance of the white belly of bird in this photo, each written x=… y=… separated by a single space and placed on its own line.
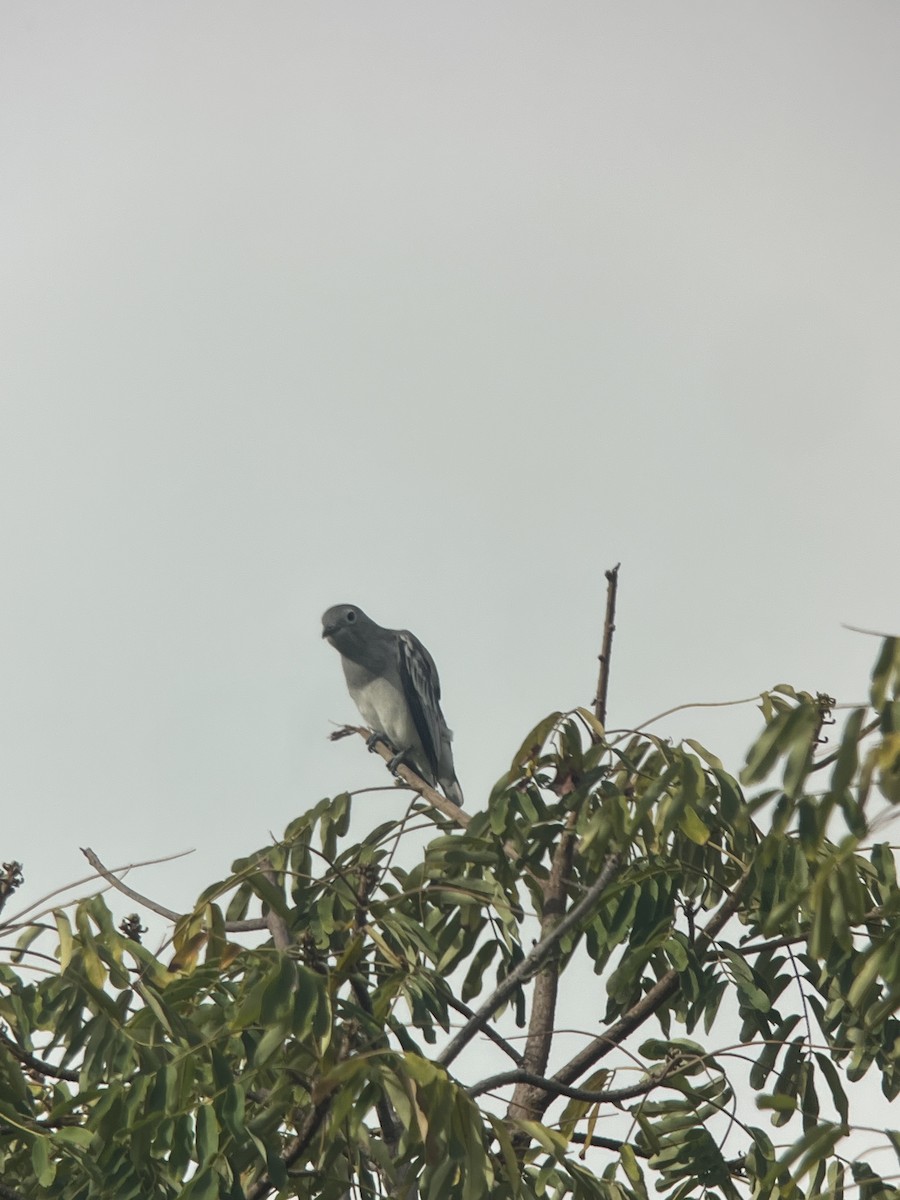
x=385 y=710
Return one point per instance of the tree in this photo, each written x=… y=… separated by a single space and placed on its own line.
x=738 y=954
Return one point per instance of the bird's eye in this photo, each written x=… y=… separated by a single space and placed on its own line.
x=351 y=615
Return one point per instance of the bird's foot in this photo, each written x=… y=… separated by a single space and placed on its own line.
x=395 y=762
x=373 y=740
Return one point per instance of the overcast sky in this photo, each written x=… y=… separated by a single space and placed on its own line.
x=441 y=310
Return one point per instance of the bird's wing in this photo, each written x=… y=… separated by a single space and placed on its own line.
x=422 y=690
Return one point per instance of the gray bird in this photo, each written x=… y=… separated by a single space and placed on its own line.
x=394 y=683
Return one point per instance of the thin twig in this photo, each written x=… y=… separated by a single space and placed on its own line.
x=870 y=632
x=531 y=962
x=609 y=627
x=693 y=704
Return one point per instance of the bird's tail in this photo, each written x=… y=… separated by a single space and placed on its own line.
x=452 y=790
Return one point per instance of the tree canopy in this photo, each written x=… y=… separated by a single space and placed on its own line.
x=378 y=1017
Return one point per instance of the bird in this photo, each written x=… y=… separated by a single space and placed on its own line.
x=394 y=683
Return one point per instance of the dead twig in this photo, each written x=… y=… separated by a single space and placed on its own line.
x=605 y=656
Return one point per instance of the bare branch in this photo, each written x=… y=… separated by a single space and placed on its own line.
x=609 y=626
x=122 y=887
x=531 y=962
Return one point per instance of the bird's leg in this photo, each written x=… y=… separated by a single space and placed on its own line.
x=374 y=738
x=395 y=762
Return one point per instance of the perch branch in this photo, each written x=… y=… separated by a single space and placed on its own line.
x=408 y=776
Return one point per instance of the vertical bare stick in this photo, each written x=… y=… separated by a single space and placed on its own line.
x=609 y=625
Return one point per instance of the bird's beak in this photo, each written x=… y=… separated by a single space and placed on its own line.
x=327 y=631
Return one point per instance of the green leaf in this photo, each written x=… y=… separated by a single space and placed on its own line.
x=886 y=672
x=534 y=742
x=207 y=1134
x=692 y=826
x=64 y=929
x=44 y=1167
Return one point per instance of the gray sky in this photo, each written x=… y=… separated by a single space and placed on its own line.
x=441 y=310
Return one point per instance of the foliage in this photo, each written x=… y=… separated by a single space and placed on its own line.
x=723 y=930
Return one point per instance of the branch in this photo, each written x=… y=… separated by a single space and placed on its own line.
x=531 y=962
x=541 y=1084
x=277 y=926
x=36 y=1064
x=407 y=775
x=314 y=1118
x=870 y=632
x=489 y=1031
x=122 y=887
x=609 y=626
x=546 y=984
x=605 y=1143
x=257 y=923
x=662 y=990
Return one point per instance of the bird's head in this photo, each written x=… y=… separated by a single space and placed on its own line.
x=342 y=624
